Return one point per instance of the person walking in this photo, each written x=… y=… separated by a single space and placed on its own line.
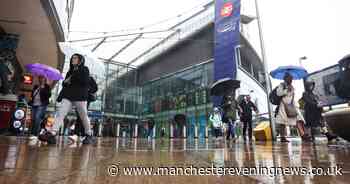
x=41 y=94
x=150 y=129
x=74 y=92
x=230 y=107
x=246 y=115
x=216 y=120
x=78 y=127
x=313 y=112
x=287 y=113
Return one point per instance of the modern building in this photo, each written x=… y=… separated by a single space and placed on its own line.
x=168 y=80
x=170 y=83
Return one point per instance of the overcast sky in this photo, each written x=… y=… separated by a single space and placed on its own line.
x=317 y=29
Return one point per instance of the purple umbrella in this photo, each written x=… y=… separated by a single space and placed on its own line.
x=44 y=70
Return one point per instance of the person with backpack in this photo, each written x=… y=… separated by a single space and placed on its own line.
x=287 y=113
x=75 y=92
x=78 y=126
x=313 y=112
x=216 y=121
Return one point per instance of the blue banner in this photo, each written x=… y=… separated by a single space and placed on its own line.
x=227 y=38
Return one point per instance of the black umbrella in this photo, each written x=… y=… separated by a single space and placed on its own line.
x=224 y=86
x=345 y=61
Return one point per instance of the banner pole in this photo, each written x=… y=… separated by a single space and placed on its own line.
x=267 y=78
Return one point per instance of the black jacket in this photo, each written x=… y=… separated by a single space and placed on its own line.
x=247 y=108
x=78 y=86
x=45 y=94
x=313 y=113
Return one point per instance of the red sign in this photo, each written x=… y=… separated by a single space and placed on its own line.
x=227 y=9
x=28 y=79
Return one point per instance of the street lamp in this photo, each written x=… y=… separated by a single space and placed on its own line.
x=301 y=59
x=267 y=78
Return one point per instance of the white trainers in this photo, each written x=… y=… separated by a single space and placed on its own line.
x=73 y=138
x=33 y=137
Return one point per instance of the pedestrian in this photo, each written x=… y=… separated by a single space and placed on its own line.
x=246 y=115
x=216 y=119
x=79 y=128
x=74 y=92
x=287 y=113
x=150 y=129
x=41 y=94
x=313 y=112
x=230 y=107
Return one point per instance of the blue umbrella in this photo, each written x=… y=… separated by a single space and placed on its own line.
x=296 y=71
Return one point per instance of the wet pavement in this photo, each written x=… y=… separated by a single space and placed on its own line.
x=24 y=161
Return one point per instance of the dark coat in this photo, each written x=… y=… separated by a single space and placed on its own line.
x=313 y=113
x=230 y=107
x=45 y=94
x=247 y=110
x=78 y=87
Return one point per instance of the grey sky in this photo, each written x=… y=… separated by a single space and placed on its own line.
x=317 y=29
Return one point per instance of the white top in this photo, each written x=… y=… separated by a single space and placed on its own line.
x=216 y=119
x=37 y=100
x=288 y=98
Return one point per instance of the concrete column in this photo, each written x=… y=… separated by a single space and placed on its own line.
x=154 y=132
x=117 y=144
x=184 y=132
x=118 y=129
x=196 y=132
x=185 y=143
x=171 y=131
x=206 y=132
x=100 y=129
x=136 y=130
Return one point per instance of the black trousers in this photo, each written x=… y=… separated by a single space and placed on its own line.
x=248 y=124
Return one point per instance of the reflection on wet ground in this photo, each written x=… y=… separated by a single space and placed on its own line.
x=22 y=161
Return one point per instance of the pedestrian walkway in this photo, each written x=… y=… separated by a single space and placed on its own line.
x=23 y=161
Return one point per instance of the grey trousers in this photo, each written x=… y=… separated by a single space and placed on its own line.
x=66 y=107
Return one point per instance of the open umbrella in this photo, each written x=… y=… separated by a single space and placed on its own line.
x=345 y=61
x=296 y=71
x=92 y=61
x=44 y=70
x=224 y=86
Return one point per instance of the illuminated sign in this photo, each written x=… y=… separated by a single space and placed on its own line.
x=28 y=79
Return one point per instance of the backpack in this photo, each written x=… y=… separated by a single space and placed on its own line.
x=274 y=98
x=93 y=88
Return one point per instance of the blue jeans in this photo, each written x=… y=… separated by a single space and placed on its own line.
x=150 y=133
x=230 y=130
x=38 y=113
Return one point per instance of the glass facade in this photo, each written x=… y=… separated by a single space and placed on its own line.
x=181 y=93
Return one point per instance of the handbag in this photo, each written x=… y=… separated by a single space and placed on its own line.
x=291 y=110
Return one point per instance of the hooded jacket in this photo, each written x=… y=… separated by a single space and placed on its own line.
x=313 y=113
x=76 y=83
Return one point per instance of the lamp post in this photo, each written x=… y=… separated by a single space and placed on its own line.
x=301 y=59
x=267 y=79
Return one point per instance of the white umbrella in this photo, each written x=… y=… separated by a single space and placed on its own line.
x=95 y=65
